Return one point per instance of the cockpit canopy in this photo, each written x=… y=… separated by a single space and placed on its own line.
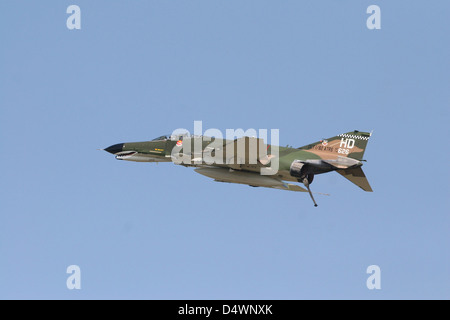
x=161 y=138
x=173 y=137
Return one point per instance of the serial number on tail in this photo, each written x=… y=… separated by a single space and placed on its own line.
x=343 y=151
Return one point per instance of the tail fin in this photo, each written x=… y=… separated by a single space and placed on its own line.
x=350 y=144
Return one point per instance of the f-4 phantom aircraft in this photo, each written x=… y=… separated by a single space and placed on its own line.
x=243 y=160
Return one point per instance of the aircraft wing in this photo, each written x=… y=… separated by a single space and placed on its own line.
x=249 y=178
x=246 y=153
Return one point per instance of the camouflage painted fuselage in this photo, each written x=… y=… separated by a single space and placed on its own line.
x=242 y=160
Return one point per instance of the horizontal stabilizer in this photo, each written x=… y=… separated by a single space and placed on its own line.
x=357 y=176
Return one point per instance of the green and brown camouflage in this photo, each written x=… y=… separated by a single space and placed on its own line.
x=243 y=160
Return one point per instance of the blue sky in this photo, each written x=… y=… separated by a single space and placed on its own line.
x=137 y=70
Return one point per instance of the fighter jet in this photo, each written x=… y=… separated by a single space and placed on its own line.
x=243 y=160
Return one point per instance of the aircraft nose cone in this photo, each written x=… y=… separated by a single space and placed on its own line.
x=115 y=148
